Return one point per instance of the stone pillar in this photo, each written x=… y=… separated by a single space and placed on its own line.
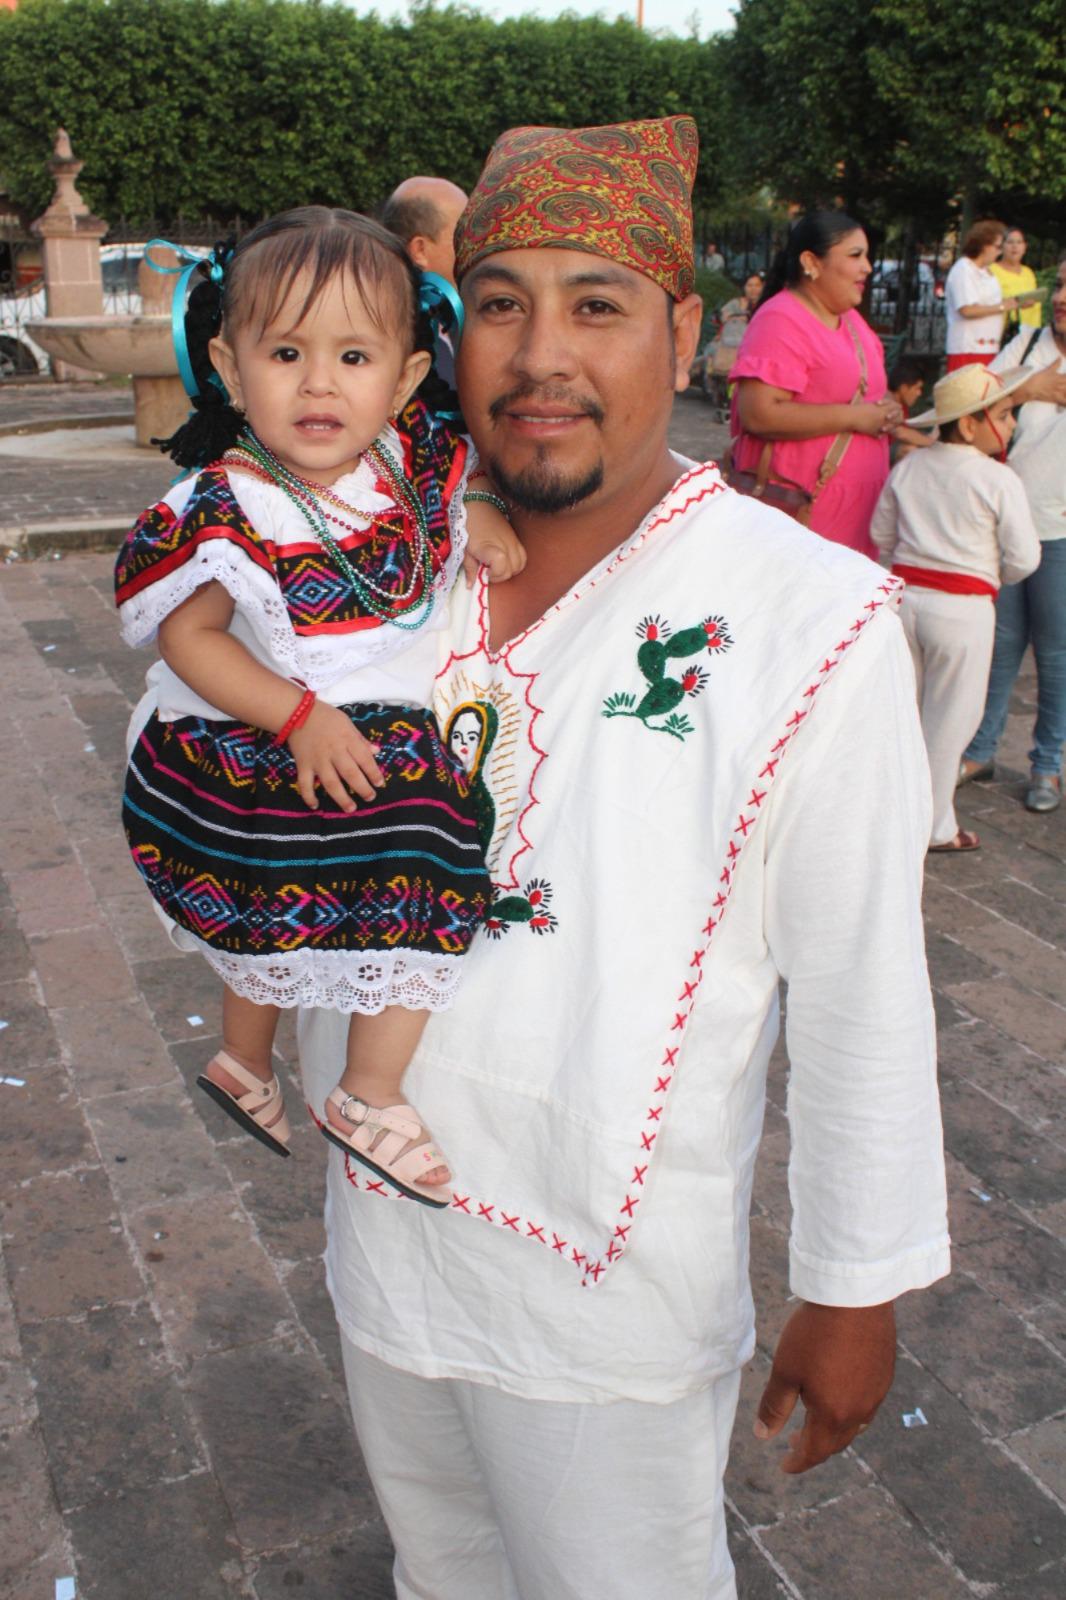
x=160 y=404
x=70 y=236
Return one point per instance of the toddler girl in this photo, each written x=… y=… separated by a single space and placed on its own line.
x=289 y=801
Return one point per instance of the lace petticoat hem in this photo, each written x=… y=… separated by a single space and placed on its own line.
x=364 y=981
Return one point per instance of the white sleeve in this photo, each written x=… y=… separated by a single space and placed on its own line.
x=1011 y=354
x=955 y=287
x=1019 y=542
x=884 y=525
x=849 y=828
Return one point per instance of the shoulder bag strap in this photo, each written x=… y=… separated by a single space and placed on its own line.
x=838 y=449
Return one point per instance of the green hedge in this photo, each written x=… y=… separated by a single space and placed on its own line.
x=244 y=107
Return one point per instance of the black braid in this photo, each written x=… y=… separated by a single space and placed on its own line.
x=213 y=424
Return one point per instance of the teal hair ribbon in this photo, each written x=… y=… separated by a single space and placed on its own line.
x=439 y=299
x=188 y=262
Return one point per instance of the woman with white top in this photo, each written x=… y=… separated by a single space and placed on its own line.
x=973 y=298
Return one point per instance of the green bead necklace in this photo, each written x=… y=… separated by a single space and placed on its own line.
x=308 y=498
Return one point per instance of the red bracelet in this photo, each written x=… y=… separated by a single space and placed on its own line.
x=299 y=716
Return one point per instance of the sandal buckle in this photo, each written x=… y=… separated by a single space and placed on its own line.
x=358 y=1117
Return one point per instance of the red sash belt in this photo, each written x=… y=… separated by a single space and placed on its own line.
x=946 y=582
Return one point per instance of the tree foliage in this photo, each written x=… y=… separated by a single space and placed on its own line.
x=230 y=107
x=903 y=108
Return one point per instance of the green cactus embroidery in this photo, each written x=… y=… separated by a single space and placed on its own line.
x=664 y=694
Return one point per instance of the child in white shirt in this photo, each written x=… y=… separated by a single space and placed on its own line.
x=955 y=524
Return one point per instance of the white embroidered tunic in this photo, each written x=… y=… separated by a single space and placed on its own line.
x=703 y=771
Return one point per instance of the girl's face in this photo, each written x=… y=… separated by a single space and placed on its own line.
x=318 y=391
x=838 y=278
x=753 y=289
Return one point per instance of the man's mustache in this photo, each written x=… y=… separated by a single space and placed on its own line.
x=545 y=396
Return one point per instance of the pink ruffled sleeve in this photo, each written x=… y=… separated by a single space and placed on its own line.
x=775 y=349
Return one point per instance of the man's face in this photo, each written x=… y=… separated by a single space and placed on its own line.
x=567 y=371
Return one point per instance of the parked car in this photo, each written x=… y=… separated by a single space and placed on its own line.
x=20 y=357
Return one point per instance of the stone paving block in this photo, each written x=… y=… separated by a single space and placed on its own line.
x=1049 y=1584
x=755 y=1484
x=52 y=899
x=861 y=1546
x=1009 y=1158
x=1041 y=913
x=42 y=1128
x=33 y=1540
x=18 y=1404
x=214 y=1286
x=29 y=1038
x=285 y=1198
x=82 y=967
x=769 y=1280
x=983 y=1354
x=755 y=1577
x=1010 y=949
x=32 y=838
x=1030 y=1087
x=951 y=963
x=1018 y=1263
x=306 y=1286
x=112 y=1415
x=154 y=1148
x=771 y=1177
x=173 y=1541
x=357 y=1567
x=65 y=1247
x=990 y=1520
x=10 y=1349
x=281 y=1444
x=106 y=859
x=141 y=935
x=178 y=990
x=1036 y=1022
x=15 y=958
x=1043 y=1449
x=111 y=1047
x=971 y=1220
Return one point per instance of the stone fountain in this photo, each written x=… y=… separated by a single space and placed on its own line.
x=84 y=342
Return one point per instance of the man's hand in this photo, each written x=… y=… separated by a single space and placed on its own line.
x=1047 y=384
x=839 y=1361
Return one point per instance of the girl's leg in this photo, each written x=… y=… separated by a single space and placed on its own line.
x=254 y=1098
x=1012 y=636
x=1047 y=623
x=380 y=1048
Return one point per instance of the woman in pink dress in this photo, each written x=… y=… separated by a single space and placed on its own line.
x=811 y=370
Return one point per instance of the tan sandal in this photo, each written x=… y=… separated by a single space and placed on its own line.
x=260 y=1110
x=379 y=1140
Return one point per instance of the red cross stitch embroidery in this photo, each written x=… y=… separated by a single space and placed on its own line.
x=629 y=1203
x=558 y=1244
x=509 y=1222
x=647 y=1140
x=485 y=1211
x=461 y=1202
x=661 y=1085
x=533 y=1232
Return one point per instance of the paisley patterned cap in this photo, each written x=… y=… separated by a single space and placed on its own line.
x=622 y=191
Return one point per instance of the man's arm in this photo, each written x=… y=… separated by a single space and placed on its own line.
x=846 y=842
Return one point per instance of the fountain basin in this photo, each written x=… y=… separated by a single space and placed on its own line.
x=138 y=345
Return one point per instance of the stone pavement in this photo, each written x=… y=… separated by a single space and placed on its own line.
x=172 y=1419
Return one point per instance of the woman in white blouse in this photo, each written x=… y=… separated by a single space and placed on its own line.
x=973 y=298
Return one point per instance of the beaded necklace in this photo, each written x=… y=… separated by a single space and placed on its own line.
x=251 y=454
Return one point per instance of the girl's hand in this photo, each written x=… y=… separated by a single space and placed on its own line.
x=491 y=542
x=330 y=751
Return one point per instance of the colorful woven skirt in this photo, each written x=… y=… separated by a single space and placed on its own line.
x=355 y=911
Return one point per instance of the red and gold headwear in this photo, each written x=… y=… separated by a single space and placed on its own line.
x=623 y=191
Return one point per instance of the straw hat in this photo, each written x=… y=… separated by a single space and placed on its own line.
x=967 y=390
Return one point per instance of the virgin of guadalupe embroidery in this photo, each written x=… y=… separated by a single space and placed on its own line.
x=663 y=694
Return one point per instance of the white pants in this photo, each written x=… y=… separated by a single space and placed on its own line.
x=489 y=1496
x=950 y=636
